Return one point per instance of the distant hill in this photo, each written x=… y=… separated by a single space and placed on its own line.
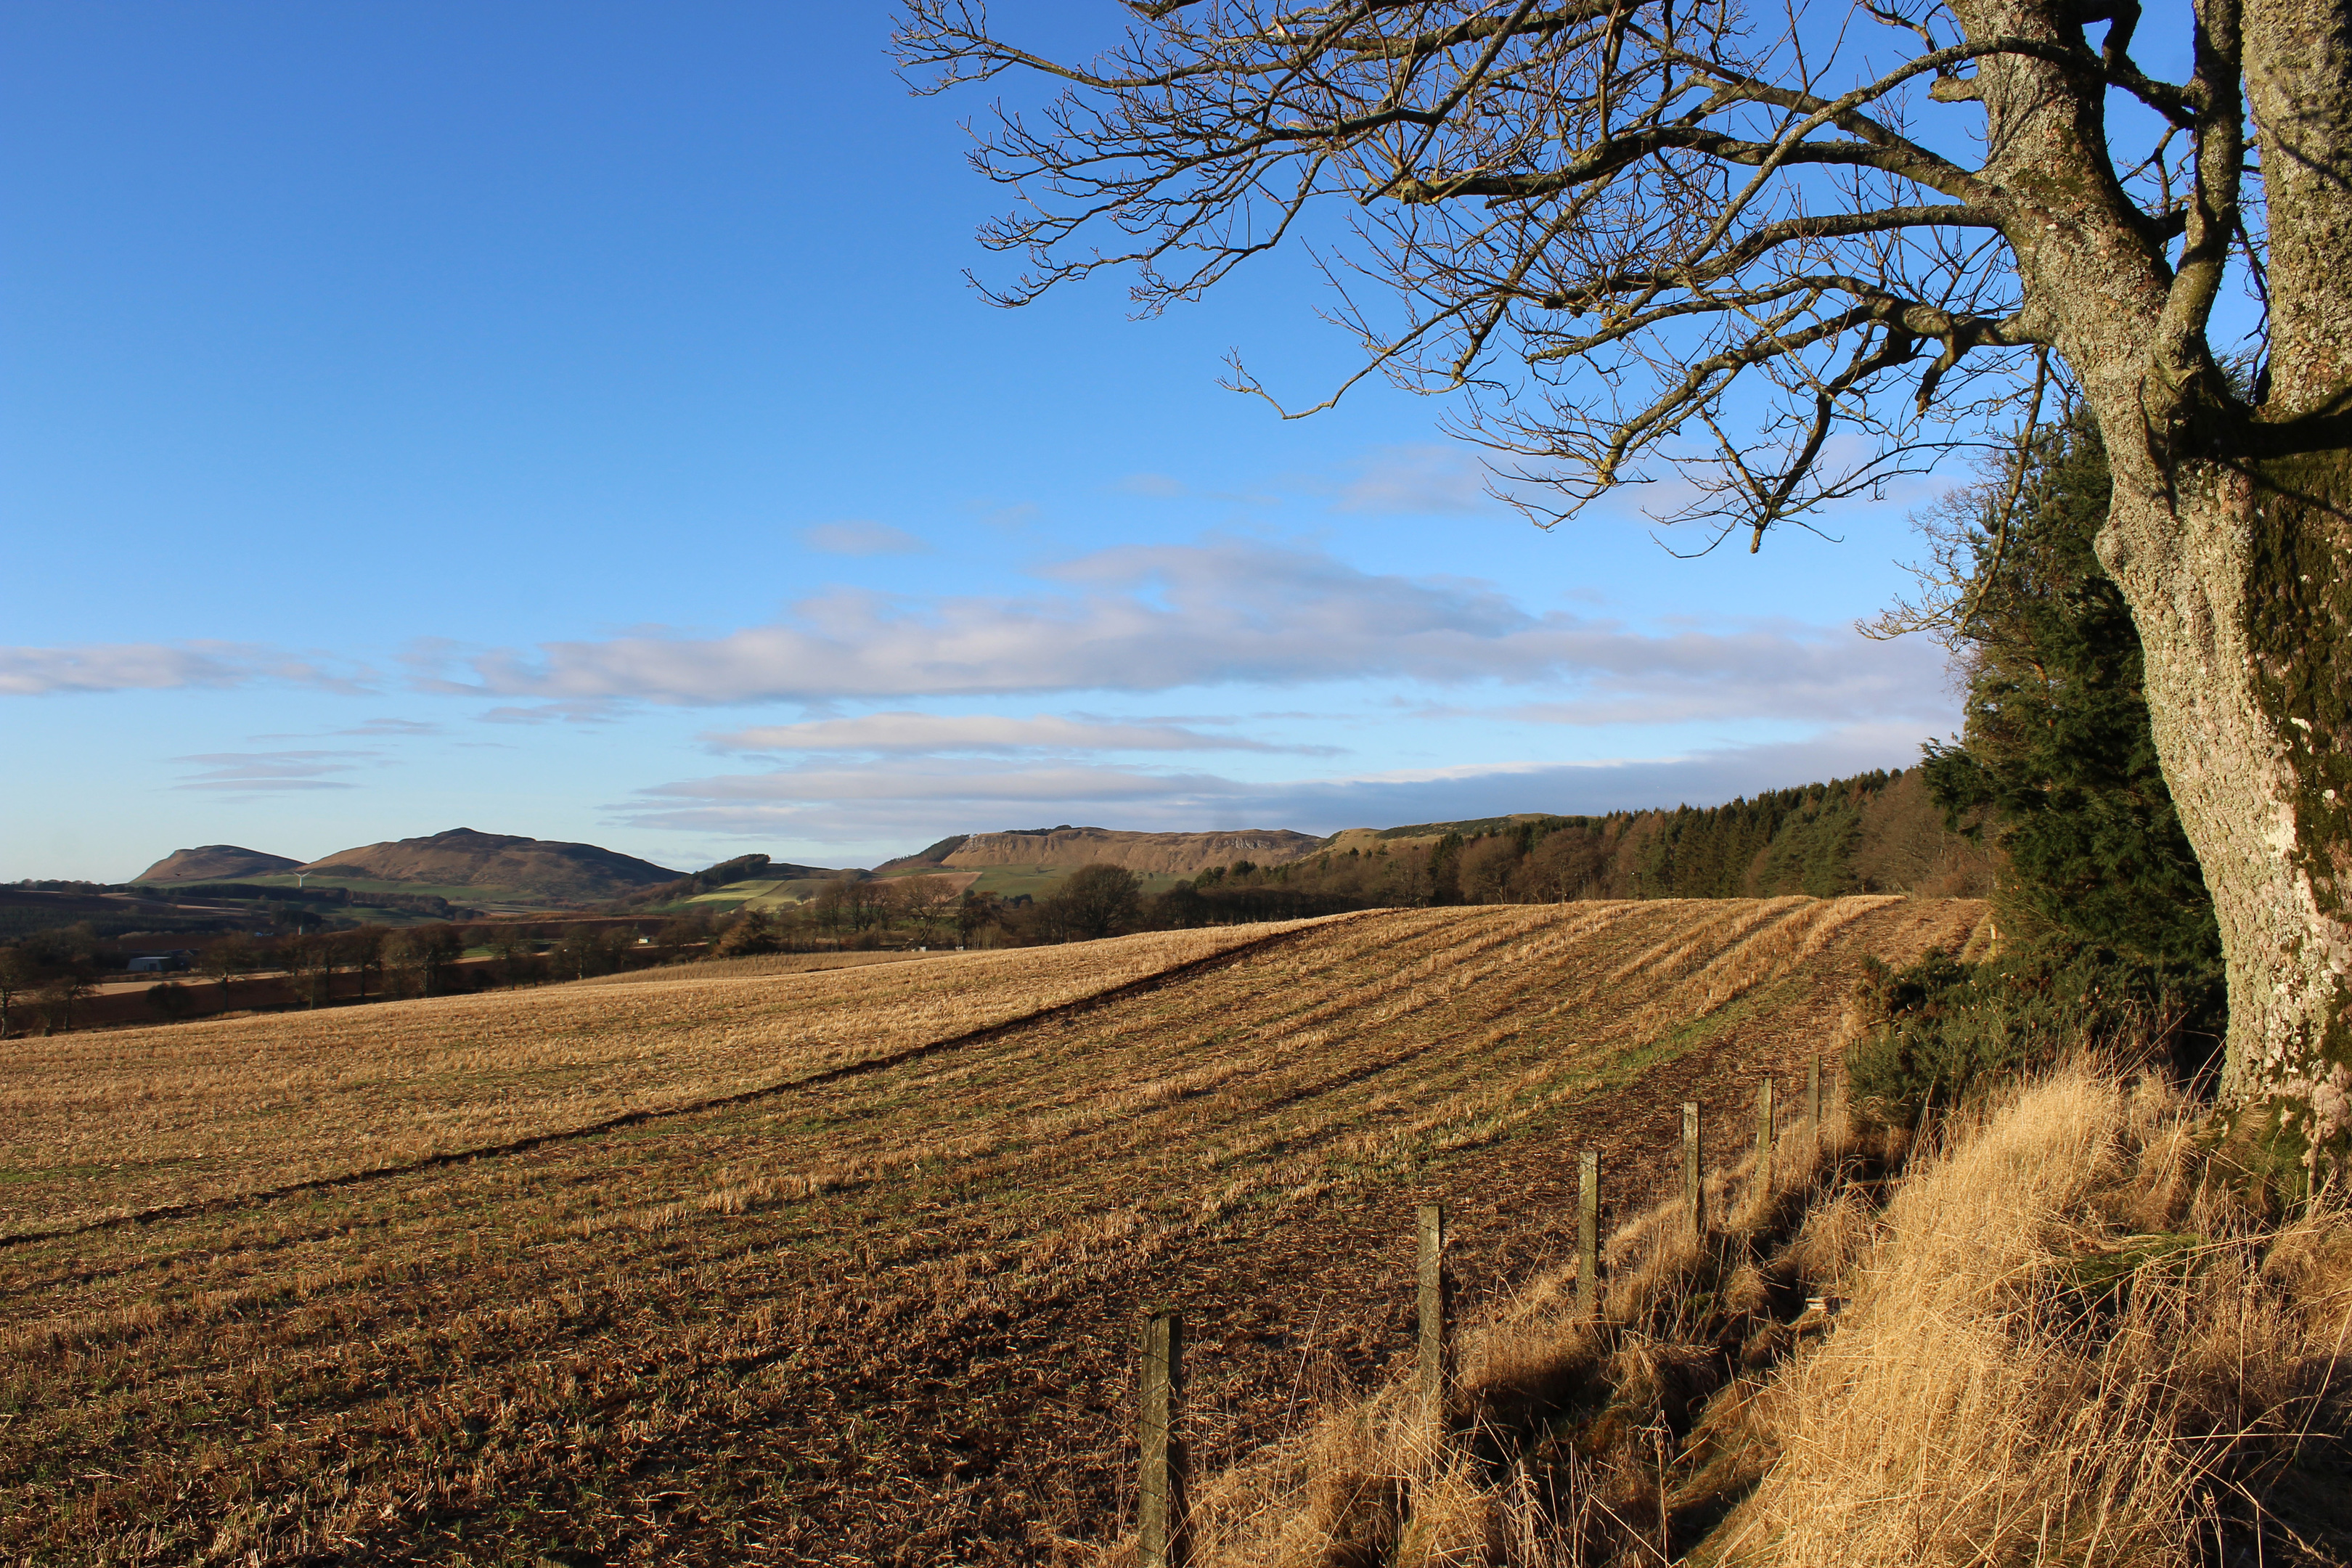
x=531 y=868
x=1369 y=838
x=744 y=870
x=214 y=863
x=1177 y=854
x=1873 y=833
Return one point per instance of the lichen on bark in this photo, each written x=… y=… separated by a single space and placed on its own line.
x=2299 y=618
x=2236 y=573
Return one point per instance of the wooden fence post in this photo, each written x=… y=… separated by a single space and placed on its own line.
x=1161 y=1495
x=1436 y=1345
x=1764 y=1139
x=1813 y=1096
x=1588 y=1233
x=1691 y=1212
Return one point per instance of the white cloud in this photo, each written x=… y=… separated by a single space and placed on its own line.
x=859 y=537
x=157 y=667
x=584 y=711
x=1011 y=519
x=939 y=779
x=985 y=733
x=1236 y=612
x=1782 y=672
x=1415 y=480
x=1160 y=487
x=272 y=770
x=867 y=805
x=1223 y=613
x=393 y=728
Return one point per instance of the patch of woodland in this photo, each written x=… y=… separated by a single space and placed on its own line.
x=1874 y=833
x=54 y=980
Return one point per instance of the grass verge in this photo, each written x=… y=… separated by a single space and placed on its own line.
x=2057 y=1333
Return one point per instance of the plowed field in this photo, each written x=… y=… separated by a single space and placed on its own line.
x=825 y=1269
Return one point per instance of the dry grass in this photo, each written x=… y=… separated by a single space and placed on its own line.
x=94 y=1124
x=2069 y=1347
x=761 y=965
x=2064 y=1339
x=882 y=1317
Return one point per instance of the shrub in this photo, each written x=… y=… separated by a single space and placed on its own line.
x=168 y=1001
x=1942 y=1031
x=752 y=932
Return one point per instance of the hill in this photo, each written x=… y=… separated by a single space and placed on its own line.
x=1875 y=832
x=531 y=868
x=108 y=913
x=214 y=863
x=1066 y=847
x=811 y=1260
x=745 y=879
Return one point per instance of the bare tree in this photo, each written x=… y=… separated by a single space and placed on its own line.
x=310 y=968
x=933 y=903
x=752 y=932
x=362 y=949
x=59 y=993
x=424 y=956
x=855 y=903
x=18 y=973
x=228 y=957
x=1783 y=254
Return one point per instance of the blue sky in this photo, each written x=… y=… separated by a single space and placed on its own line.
x=572 y=420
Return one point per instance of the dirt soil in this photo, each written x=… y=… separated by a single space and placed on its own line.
x=1284 y=1310
x=889 y=1319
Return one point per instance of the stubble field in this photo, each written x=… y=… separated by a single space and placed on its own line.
x=838 y=1267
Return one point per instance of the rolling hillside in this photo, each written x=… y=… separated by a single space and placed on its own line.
x=742 y=1265
x=525 y=869
x=214 y=863
x=1067 y=848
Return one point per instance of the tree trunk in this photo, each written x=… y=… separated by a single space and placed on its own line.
x=2235 y=574
x=2298 y=73
x=2229 y=531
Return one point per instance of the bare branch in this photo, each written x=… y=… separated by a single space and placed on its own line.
x=1607 y=225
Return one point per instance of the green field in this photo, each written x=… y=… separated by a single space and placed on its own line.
x=767 y=893
x=457 y=894
x=1005 y=881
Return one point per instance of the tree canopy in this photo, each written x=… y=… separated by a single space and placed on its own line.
x=1783 y=252
x=2058 y=761
x=2108 y=937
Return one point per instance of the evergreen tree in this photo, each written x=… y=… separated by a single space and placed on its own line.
x=2108 y=934
x=2057 y=761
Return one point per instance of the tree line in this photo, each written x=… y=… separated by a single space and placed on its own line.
x=1875 y=832
x=50 y=976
